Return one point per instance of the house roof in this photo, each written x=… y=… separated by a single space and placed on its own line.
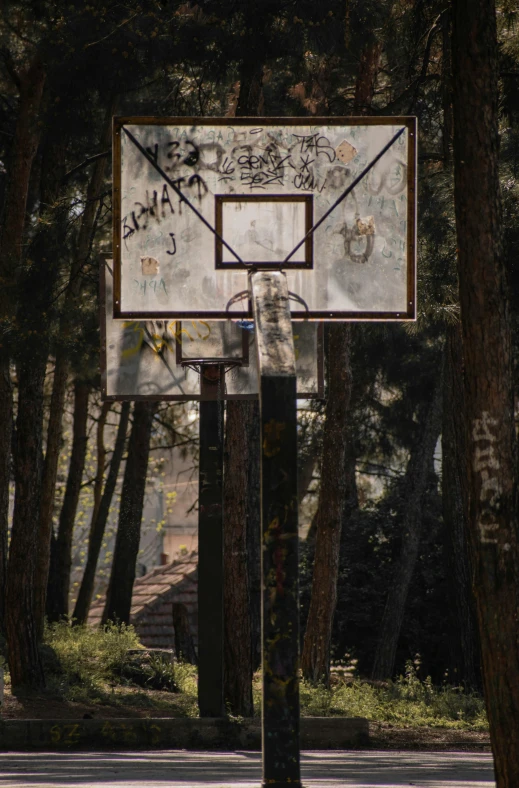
x=154 y=588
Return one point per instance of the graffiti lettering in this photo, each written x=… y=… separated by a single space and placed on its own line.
x=227 y=170
x=261 y=169
x=196 y=180
x=486 y=463
x=148 y=209
x=165 y=200
x=392 y=179
x=153 y=152
x=316 y=144
x=352 y=243
x=158 y=336
x=139 y=219
x=172 y=236
x=140 y=286
x=307 y=182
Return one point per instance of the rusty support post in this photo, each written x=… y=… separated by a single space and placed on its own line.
x=210 y=545
x=279 y=555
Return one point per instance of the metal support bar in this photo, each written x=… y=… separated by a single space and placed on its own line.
x=279 y=556
x=210 y=546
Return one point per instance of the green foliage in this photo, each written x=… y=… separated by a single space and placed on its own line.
x=90 y=657
x=406 y=702
x=150 y=671
x=94 y=665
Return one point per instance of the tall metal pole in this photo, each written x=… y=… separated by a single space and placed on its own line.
x=210 y=545
x=280 y=588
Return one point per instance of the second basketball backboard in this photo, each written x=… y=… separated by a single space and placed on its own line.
x=199 y=202
x=160 y=360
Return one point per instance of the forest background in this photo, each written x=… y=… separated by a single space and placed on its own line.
x=408 y=566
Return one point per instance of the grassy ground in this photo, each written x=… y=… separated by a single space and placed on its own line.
x=92 y=670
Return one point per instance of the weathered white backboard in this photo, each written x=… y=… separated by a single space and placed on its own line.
x=198 y=201
x=151 y=359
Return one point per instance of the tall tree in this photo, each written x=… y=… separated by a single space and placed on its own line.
x=242 y=576
x=99 y=520
x=30 y=82
x=67 y=328
x=237 y=624
x=337 y=494
x=61 y=554
x=466 y=659
x=122 y=575
x=315 y=660
x=414 y=485
x=489 y=404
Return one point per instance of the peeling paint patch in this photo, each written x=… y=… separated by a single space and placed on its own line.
x=345 y=152
x=150 y=266
x=366 y=226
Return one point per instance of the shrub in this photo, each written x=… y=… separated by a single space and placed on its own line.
x=151 y=671
x=90 y=656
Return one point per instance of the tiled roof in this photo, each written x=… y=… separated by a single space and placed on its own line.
x=175 y=582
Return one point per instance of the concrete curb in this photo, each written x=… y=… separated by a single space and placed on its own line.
x=319 y=733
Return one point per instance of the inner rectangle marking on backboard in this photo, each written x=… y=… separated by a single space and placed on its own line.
x=265 y=227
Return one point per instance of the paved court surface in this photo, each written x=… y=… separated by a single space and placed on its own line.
x=183 y=769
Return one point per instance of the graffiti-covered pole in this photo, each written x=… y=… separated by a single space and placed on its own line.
x=210 y=545
x=279 y=555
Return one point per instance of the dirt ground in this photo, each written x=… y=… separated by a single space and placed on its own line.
x=386 y=737
x=49 y=708
x=383 y=736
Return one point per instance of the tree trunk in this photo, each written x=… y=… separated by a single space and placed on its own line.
x=23 y=151
x=446 y=84
x=99 y=520
x=338 y=489
x=414 y=488
x=61 y=555
x=242 y=575
x=315 y=661
x=307 y=461
x=366 y=77
x=466 y=650
x=489 y=405
x=253 y=536
x=33 y=319
x=6 y=422
x=24 y=663
x=34 y=316
x=250 y=100
x=122 y=576
x=61 y=372
x=184 y=647
x=237 y=625
x=101 y=459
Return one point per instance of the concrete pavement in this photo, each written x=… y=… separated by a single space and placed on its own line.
x=188 y=769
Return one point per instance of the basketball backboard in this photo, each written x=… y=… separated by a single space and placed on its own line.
x=159 y=360
x=200 y=201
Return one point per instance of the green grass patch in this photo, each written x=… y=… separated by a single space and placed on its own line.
x=94 y=665
x=89 y=656
x=406 y=702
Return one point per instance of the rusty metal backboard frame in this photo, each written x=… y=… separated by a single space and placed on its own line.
x=358 y=234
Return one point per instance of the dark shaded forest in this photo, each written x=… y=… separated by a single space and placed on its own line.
x=412 y=546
